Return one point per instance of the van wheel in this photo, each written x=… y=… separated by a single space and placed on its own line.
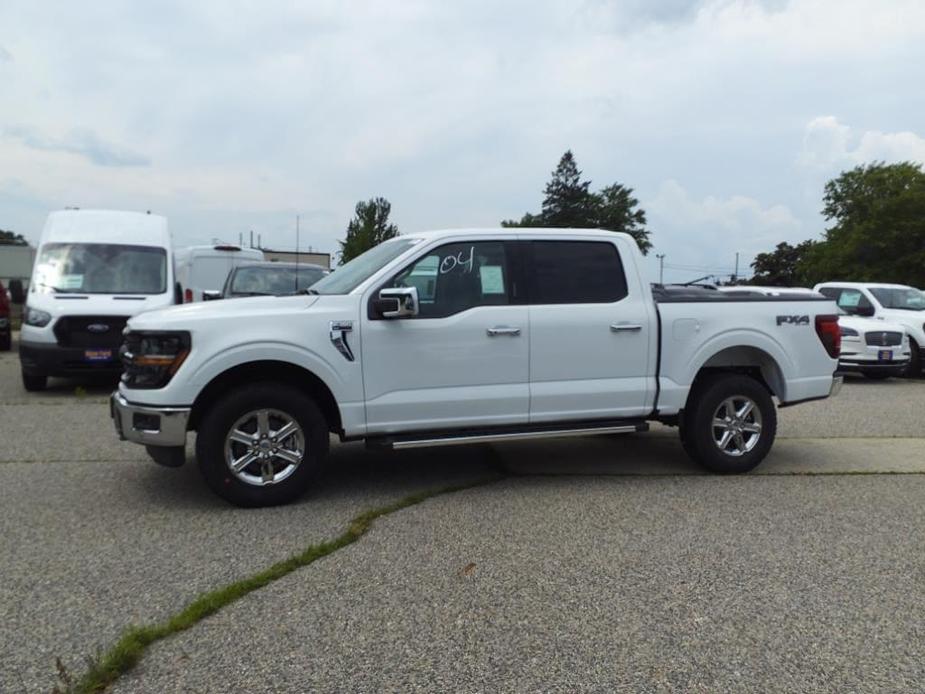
x=261 y=445
x=34 y=381
x=730 y=423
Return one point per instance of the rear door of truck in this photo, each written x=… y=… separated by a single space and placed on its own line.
x=592 y=347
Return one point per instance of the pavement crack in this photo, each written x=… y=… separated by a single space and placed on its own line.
x=111 y=664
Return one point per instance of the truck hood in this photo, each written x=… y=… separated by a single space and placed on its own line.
x=189 y=315
x=867 y=325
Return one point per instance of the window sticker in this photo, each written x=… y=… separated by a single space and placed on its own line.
x=850 y=300
x=71 y=282
x=492 y=277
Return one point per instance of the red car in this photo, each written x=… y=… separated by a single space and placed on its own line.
x=6 y=330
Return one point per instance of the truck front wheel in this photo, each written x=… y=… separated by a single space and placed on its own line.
x=261 y=445
x=729 y=423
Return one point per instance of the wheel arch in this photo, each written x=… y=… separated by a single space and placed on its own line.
x=747 y=360
x=269 y=370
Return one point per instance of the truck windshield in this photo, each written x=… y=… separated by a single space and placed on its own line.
x=348 y=277
x=100 y=268
x=905 y=298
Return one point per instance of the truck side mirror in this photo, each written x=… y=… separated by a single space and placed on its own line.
x=866 y=311
x=211 y=295
x=396 y=302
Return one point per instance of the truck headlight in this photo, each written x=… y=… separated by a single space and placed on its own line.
x=151 y=358
x=34 y=317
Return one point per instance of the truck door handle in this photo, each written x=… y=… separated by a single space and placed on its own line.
x=625 y=327
x=503 y=330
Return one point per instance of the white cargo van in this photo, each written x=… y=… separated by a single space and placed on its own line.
x=94 y=269
x=205 y=268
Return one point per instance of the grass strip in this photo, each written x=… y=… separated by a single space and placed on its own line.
x=130 y=647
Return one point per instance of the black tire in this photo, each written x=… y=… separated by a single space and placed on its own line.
x=876 y=375
x=705 y=401
x=6 y=343
x=914 y=370
x=218 y=422
x=34 y=381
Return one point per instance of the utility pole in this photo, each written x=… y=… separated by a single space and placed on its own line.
x=737 y=267
x=297 y=253
x=661 y=267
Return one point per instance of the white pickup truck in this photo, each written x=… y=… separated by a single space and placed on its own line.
x=466 y=336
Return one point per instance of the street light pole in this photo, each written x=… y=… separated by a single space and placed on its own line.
x=661 y=267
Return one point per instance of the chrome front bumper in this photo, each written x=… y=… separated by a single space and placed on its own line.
x=151 y=426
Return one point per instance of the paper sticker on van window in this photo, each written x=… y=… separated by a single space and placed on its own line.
x=849 y=299
x=492 y=278
x=71 y=282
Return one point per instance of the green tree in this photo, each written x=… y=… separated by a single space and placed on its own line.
x=878 y=231
x=8 y=238
x=780 y=267
x=617 y=210
x=369 y=227
x=569 y=203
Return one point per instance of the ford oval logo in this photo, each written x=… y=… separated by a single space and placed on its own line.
x=98 y=328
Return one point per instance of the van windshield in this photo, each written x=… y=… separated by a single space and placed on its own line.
x=100 y=268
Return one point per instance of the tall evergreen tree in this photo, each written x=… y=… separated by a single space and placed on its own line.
x=569 y=202
x=369 y=227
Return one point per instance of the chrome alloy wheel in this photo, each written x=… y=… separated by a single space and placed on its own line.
x=736 y=425
x=264 y=447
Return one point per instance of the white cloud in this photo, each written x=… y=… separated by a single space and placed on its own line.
x=456 y=112
x=82 y=142
x=5 y=55
x=829 y=145
x=702 y=235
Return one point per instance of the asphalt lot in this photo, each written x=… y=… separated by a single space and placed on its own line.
x=597 y=564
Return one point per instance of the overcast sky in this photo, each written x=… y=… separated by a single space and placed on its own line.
x=725 y=116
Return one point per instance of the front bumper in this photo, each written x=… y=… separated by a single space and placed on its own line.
x=897 y=366
x=55 y=360
x=151 y=426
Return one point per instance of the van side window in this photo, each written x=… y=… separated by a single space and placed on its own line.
x=576 y=272
x=851 y=300
x=458 y=276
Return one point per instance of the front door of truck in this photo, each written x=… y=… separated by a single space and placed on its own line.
x=463 y=360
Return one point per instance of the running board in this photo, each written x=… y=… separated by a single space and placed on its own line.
x=465 y=438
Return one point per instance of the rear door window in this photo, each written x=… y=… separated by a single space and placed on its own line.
x=575 y=272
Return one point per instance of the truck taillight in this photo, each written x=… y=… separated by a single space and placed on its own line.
x=188 y=296
x=829 y=334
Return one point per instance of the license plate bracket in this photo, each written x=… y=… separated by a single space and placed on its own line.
x=885 y=355
x=97 y=355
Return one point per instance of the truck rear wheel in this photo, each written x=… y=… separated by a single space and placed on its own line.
x=261 y=445
x=729 y=423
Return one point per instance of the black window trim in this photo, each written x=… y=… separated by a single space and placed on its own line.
x=512 y=269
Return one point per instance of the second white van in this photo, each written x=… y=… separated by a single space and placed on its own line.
x=203 y=269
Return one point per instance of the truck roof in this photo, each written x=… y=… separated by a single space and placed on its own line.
x=861 y=285
x=106 y=226
x=514 y=231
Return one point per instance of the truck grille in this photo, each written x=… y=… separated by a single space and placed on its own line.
x=883 y=339
x=90 y=331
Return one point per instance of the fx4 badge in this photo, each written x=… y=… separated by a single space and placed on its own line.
x=793 y=320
